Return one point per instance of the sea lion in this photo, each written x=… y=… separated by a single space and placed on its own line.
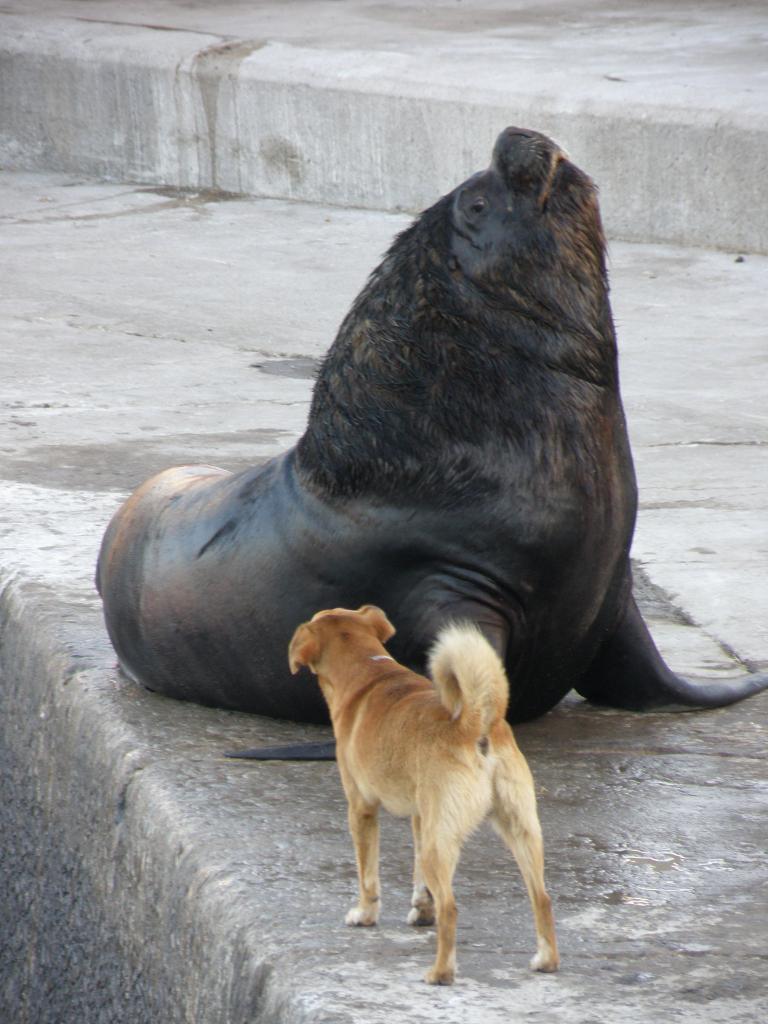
x=466 y=457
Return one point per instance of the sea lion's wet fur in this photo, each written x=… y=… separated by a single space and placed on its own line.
x=448 y=356
x=466 y=457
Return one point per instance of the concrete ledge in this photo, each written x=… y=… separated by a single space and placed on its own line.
x=121 y=899
x=388 y=129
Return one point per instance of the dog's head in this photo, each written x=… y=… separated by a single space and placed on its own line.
x=310 y=639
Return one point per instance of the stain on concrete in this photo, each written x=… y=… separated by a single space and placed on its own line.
x=122 y=466
x=282 y=159
x=300 y=368
x=139 y=24
x=684 y=503
x=195 y=197
x=455 y=17
x=175 y=199
x=655 y=602
x=210 y=68
x=749 y=443
x=741 y=985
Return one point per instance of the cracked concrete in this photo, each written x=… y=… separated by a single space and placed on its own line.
x=152 y=879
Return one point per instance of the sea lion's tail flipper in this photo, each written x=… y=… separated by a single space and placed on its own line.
x=322 y=751
x=628 y=672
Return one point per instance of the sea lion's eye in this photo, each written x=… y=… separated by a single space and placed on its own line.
x=478 y=205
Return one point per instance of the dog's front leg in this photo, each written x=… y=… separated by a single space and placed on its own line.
x=422 y=905
x=364 y=828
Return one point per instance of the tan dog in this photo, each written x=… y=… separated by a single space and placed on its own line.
x=441 y=753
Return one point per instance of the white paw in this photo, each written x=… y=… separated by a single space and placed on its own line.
x=444 y=977
x=357 y=917
x=421 y=917
x=545 y=961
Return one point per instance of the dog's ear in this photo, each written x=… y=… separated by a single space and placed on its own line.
x=303 y=649
x=376 y=618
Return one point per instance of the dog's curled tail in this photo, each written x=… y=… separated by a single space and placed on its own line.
x=469 y=676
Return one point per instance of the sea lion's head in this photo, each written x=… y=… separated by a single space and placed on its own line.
x=531 y=212
x=496 y=287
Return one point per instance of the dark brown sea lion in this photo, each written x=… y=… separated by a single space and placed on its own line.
x=466 y=457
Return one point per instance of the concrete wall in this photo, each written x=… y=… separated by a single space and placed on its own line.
x=351 y=128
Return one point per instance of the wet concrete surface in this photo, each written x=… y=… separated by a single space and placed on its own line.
x=655 y=825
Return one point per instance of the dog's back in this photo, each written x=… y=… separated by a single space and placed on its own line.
x=414 y=740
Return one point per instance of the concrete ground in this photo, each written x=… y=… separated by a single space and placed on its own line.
x=147 y=877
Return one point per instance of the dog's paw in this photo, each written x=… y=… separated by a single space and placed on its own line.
x=421 y=917
x=444 y=977
x=360 y=918
x=545 y=961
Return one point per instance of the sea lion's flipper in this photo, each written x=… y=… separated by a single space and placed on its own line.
x=322 y=751
x=628 y=672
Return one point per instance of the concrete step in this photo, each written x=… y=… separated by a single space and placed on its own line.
x=147 y=878
x=387 y=106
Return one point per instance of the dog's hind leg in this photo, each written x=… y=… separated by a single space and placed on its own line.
x=422 y=905
x=439 y=857
x=364 y=828
x=516 y=820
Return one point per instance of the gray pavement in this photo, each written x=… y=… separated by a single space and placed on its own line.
x=386 y=105
x=149 y=879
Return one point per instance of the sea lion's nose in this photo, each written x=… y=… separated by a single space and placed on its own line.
x=521 y=136
x=517 y=142
x=523 y=157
